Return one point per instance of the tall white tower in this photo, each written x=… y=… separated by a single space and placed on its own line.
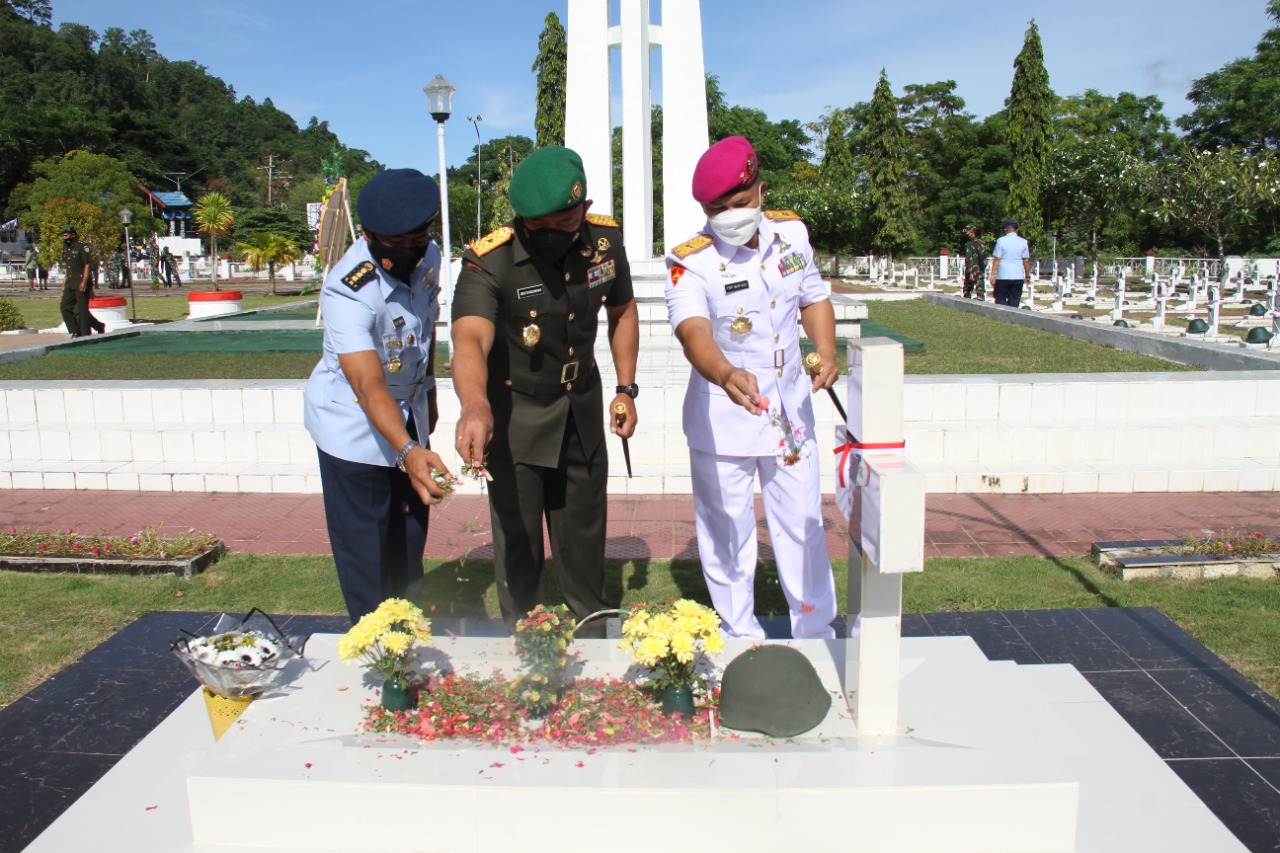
x=684 y=108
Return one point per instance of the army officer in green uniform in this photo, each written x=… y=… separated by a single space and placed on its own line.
x=525 y=311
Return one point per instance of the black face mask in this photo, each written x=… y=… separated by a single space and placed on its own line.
x=552 y=243
x=399 y=262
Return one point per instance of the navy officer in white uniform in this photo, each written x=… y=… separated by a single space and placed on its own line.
x=734 y=293
x=370 y=404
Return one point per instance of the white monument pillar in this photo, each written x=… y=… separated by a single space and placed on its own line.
x=637 y=138
x=588 y=105
x=587 y=112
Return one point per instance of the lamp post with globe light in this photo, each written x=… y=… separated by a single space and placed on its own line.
x=439 y=94
x=475 y=122
x=126 y=216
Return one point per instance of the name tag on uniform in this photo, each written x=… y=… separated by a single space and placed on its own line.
x=735 y=287
x=601 y=273
x=398 y=322
x=790 y=263
x=526 y=292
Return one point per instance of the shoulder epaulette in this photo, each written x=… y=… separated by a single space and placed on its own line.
x=688 y=247
x=781 y=215
x=601 y=219
x=360 y=276
x=492 y=240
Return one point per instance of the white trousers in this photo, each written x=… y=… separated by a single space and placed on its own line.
x=724 y=500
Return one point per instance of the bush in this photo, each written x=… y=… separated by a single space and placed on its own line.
x=10 y=316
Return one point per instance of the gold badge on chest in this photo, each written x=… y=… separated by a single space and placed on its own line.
x=740 y=325
x=393 y=366
x=531 y=335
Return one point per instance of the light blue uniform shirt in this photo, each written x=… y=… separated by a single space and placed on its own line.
x=365 y=309
x=1009 y=252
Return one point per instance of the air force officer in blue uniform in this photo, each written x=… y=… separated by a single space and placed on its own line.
x=370 y=403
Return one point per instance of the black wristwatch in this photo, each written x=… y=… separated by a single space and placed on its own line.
x=632 y=390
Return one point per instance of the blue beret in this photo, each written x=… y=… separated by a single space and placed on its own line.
x=398 y=201
x=1009 y=223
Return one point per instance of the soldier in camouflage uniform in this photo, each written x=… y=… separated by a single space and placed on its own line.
x=975 y=264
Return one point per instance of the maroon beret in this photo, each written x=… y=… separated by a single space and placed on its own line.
x=728 y=166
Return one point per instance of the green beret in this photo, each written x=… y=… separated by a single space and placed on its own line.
x=773 y=690
x=70 y=229
x=548 y=181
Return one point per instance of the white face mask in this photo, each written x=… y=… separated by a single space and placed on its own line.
x=738 y=225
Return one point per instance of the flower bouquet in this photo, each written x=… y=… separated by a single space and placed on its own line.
x=383 y=641
x=242 y=659
x=669 y=639
x=542 y=643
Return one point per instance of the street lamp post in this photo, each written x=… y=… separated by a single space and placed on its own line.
x=439 y=94
x=475 y=122
x=126 y=216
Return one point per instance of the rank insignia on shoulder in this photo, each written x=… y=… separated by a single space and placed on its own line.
x=688 y=247
x=360 y=276
x=492 y=240
x=601 y=219
x=781 y=215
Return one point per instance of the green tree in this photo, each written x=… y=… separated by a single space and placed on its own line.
x=288 y=223
x=214 y=217
x=552 y=68
x=97 y=231
x=1090 y=185
x=1216 y=192
x=779 y=145
x=269 y=250
x=36 y=11
x=1031 y=106
x=1239 y=104
x=889 y=210
x=1136 y=125
x=95 y=179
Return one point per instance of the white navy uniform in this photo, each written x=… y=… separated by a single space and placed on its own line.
x=752 y=298
x=366 y=309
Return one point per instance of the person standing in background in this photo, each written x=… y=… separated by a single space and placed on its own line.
x=1011 y=266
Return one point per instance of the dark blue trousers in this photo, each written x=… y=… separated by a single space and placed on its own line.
x=377 y=531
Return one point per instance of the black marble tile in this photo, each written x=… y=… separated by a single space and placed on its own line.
x=135 y=705
x=1230 y=705
x=1244 y=802
x=39 y=787
x=315 y=624
x=997 y=639
x=1067 y=636
x=145 y=644
x=778 y=627
x=915 y=625
x=43 y=716
x=1267 y=768
x=1152 y=639
x=1156 y=716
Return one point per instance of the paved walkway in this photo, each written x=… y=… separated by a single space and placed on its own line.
x=661 y=526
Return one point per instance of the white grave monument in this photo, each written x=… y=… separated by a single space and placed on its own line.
x=588 y=115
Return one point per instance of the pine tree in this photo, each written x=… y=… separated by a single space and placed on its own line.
x=1031 y=108
x=889 y=213
x=552 y=66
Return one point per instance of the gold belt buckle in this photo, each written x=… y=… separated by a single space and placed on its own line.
x=568 y=372
x=779 y=359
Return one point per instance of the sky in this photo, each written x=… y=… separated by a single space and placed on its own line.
x=361 y=65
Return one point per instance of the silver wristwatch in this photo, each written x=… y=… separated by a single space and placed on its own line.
x=404 y=451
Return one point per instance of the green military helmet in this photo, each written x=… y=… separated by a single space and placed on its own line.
x=548 y=181
x=773 y=690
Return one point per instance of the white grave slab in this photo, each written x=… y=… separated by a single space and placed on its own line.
x=992 y=757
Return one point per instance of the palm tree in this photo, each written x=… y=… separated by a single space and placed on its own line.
x=269 y=250
x=213 y=217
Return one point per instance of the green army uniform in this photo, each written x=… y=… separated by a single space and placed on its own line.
x=975 y=268
x=545 y=392
x=75 y=302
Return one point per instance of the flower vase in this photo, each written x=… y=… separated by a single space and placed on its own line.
x=678 y=699
x=395 y=696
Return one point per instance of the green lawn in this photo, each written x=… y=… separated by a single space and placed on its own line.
x=961 y=342
x=163 y=306
x=53 y=619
